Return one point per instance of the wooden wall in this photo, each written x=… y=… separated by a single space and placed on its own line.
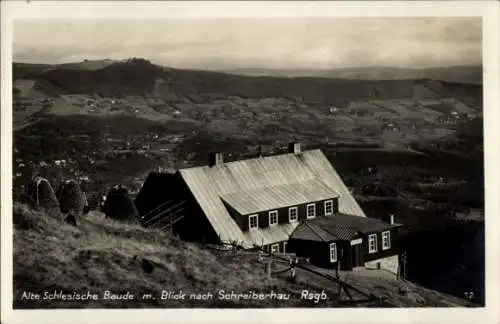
x=242 y=220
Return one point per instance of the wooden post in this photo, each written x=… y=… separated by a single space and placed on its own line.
x=403 y=264
x=268 y=269
x=398 y=272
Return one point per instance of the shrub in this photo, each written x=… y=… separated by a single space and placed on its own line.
x=27 y=218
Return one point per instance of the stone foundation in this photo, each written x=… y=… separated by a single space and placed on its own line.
x=390 y=264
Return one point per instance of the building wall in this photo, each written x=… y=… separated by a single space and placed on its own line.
x=319 y=253
x=282 y=247
x=282 y=214
x=314 y=250
x=390 y=264
x=395 y=246
x=158 y=188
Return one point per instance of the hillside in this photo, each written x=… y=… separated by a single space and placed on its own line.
x=137 y=76
x=410 y=147
x=100 y=254
x=459 y=74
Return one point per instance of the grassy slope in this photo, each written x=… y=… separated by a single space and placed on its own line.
x=101 y=254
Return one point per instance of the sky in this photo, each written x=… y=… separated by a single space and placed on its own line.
x=286 y=43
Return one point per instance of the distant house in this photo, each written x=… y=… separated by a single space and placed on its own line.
x=293 y=202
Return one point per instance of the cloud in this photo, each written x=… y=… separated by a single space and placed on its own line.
x=265 y=43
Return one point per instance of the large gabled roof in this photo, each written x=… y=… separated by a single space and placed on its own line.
x=210 y=184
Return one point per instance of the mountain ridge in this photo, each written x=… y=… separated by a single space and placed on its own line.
x=141 y=77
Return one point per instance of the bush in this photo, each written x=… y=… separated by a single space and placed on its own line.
x=26 y=218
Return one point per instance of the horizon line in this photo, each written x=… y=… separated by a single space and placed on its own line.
x=235 y=68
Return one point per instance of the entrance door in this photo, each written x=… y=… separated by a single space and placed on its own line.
x=356 y=255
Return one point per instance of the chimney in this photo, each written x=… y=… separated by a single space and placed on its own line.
x=294 y=148
x=215 y=158
x=391 y=218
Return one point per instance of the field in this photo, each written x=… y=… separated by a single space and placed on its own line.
x=413 y=148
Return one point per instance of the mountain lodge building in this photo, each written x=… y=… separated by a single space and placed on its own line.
x=294 y=202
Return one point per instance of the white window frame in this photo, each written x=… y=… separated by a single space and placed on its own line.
x=314 y=211
x=250 y=221
x=333 y=256
x=272 y=213
x=329 y=202
x=296 y=219
x=386 y=240
x=277 y=246
x=372 y=238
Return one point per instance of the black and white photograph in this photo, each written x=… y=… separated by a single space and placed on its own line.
x=260 y=162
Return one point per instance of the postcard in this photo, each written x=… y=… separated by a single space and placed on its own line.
x=250 y=161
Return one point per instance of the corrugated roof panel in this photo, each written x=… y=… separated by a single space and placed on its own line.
x=320 y=165
x=271 y=234
x=268 y=198
x=206 y=193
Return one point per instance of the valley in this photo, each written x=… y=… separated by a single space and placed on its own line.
x=408 y=147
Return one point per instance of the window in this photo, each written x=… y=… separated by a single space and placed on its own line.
x=253 y=221
x=284 y=247
x=372 y=243
x=273 y=217
x=311 y=211
x=328 y=207
x=292 y=214
x=333 y=252
x=386 y=240
x=275 y=248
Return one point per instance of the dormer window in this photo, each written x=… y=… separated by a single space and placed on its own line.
x=253 y=221
x=311 y=211
x=329 y=207
x=273 y=217
x=293 y=215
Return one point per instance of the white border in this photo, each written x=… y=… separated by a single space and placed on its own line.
x=489 y=10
